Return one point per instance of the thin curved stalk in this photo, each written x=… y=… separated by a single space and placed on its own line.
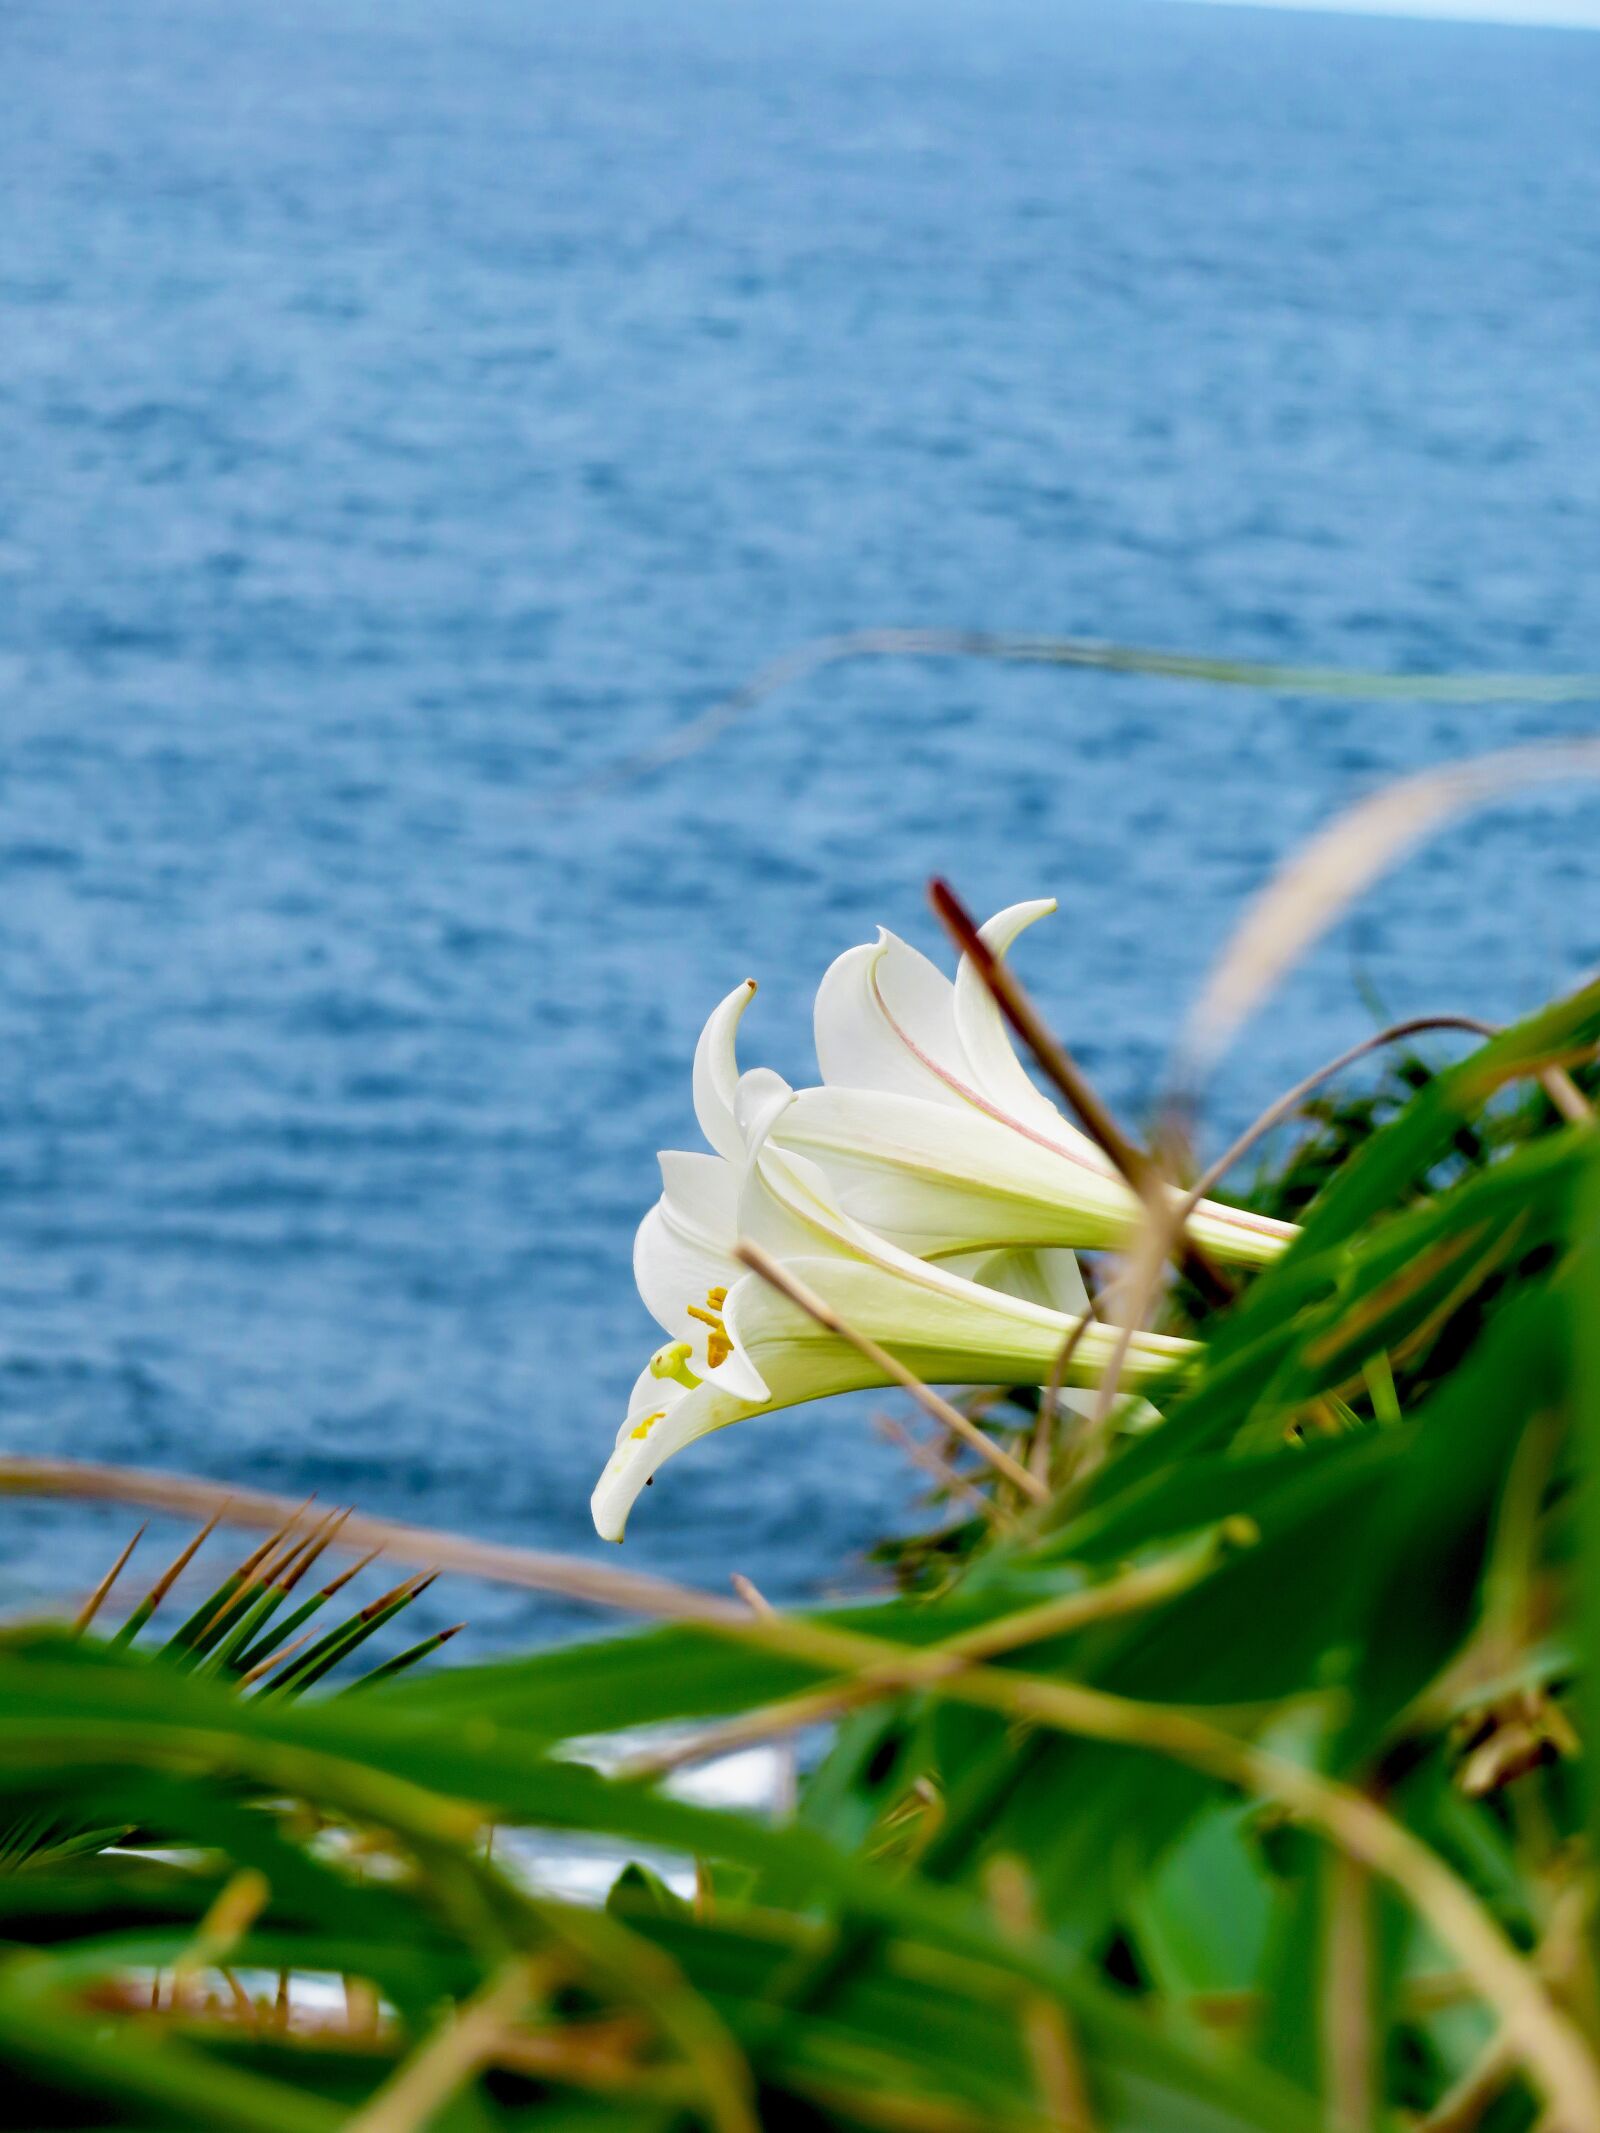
x=1156 y=1243
x=1083 y=653
x=1131 y=1593
x=1050 y=1403
x=948 y=1417
x=1283 y=1106
x=533 y=1569
x=1326 y=874
x=1557 y=1084
x=1139 y=1169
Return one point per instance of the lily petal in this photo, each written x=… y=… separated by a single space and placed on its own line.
x=885 y=1020
x=716 y=1073
x=996 y=1072
x=759 y=1102
x=704 y=1191
x=938 y=1179
x=663 y=1418
x=940 y=1182
x=953 y=1332
x=949 y=1331
x=676 y=1261
x=1051 y=1278
x=653 y=1436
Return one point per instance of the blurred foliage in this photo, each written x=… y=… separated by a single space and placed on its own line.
x=243 y=1634
x=1238 y=1787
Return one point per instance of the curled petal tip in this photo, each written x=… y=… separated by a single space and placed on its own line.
x=1002 y=929
x=716 y=1070
x=610 y=1517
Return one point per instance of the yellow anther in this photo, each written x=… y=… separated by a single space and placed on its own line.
x=718 y=1345
x=673 y=1362
x=646 y=1423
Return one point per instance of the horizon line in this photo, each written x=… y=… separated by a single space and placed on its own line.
x=1491 y=14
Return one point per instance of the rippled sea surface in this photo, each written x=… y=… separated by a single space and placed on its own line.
x=406 y=409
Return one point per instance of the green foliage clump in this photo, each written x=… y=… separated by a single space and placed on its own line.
x=1237 y=1789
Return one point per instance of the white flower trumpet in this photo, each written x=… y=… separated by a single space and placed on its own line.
x=738 y=1348
x=929 y=1130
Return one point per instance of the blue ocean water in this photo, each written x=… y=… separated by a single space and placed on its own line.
x=406 y=408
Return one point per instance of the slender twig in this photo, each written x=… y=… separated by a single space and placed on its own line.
x=1053 y=1056
x=806 y=1299
x=1133 y=1593
x=425 y=2082
x=1050 y=1400
x=786 y=1785
x=1139 y=1169
x=1051 y=2046
x=1291 y=1099
x=1348 y=2062
x=1152 y=1249
x=1466 y=2103
x=752 y=1595
x=1567 y=1097
x=535 y=1570
x=939 y=1470
x=1307 y=895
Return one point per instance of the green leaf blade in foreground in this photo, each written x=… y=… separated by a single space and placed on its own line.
x=74 y=1714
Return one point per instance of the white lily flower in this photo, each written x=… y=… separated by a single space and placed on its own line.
x=738 y=1348
x=930 y=1131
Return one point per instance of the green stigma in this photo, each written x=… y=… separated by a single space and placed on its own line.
x=673 y=1362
